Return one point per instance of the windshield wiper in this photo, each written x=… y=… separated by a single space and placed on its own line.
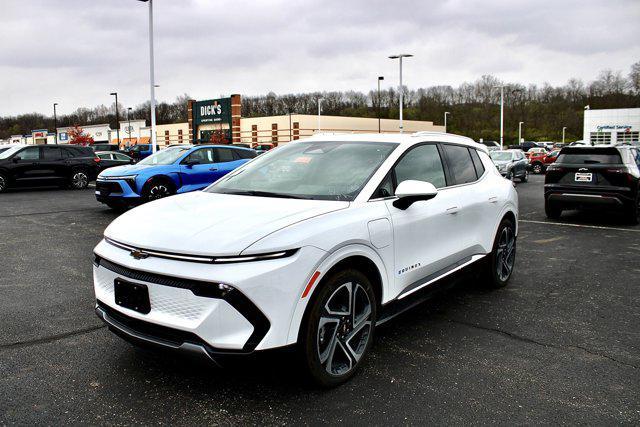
x=265 y=194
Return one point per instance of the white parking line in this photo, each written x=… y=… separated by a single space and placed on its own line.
x=579 y=225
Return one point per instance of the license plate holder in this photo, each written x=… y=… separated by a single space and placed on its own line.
x=133 y=296
x=583 y=177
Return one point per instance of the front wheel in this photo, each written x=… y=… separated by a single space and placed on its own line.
x=537 y=168
x=158 y=189
x=4 y=183
x=339 y=328
x=501 y=261
x=633 y=213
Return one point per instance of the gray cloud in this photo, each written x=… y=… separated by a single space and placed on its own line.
x=77 y=51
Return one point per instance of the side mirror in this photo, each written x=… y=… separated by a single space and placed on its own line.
x=410 y=191
x=16 y=159
x=191 y=163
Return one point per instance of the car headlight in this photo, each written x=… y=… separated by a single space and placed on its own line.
x=129 y=179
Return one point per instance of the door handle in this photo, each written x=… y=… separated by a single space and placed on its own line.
x=452 y=210
x=493 y=199
x=213 y=169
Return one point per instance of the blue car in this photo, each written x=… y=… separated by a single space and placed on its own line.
x=170 y=171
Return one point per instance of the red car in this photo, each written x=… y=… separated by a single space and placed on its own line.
x=540 y=161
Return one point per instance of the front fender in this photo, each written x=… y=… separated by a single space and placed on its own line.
x=324 y=266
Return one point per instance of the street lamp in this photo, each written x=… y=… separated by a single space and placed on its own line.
x=117 y=118
x=55 y=123
x=564 y=128
x=399 y=57
x=501 y=115
x=380 y=78
x=319 y=109
x=151 y=78
x=520 y=132
x=129 y=125
x=446 y=113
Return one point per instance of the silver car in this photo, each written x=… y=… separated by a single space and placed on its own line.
x=511 y=164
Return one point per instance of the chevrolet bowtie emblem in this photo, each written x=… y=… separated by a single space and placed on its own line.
x=139 y=254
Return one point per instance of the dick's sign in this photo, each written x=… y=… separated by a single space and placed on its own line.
x=212 y=111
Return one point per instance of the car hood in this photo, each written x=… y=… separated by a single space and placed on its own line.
x=124 y=170
x=201 y=223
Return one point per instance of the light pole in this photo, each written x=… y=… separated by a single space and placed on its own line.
x=564 y=128
x=501 y=115
x=520 y=133
x=151 y=78
x=380 y=78
x=117 y=118
x=446 y=113
x=55 y=123
x=399 y=57
x=129 y=125
x=319 y=110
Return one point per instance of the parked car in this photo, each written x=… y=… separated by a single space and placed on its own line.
x=105 y=147
x=535 y=151
x=527 y=145
x=170 y=171
x=140 y=151
x=580 y=143
x=511 y=164
x=313 y=244
x=109 y=159
x=5 y=147
x=598 y=177
x=547 y=144
x=263 y=147
x=37 y=165
x=491 y=145
x=538 y=162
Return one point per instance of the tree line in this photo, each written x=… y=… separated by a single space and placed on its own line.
x=474 y=107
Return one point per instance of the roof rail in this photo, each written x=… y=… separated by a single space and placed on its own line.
x=427 y=132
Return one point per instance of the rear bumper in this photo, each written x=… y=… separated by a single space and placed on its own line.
x=589 y=197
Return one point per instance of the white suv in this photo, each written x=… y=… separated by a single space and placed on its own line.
x=313 y=243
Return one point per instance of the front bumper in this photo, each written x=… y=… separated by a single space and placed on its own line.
x=252 y=310
x=117 y=191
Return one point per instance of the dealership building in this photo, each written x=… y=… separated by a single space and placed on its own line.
x=220 y=120
x=612 y=126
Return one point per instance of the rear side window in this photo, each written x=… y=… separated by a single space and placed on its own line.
x=460 y=164
x=422 y=163
x=586 y=156
x=51 y=153
x=477 y=163
x=246 y=154
x=224 y=155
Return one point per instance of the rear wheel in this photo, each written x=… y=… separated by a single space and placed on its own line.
x=4 y=182
x=633 y=213
x=79 y=179
x=158 y=189
x=525 y=176
x=552 y=212
x=501 y=261
x=339 y=327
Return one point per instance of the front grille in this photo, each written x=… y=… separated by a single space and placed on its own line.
x=108 y=187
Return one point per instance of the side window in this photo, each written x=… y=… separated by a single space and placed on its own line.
x=246 y=154
x=637 y=156
x=477 y=162
x=460 y=163
x=203 y=156
x=30 y=153
x=51 y=153
x=422 y=163
x=119 y=156
x=224 y=155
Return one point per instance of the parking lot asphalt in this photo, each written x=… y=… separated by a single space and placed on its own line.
x=559 y=344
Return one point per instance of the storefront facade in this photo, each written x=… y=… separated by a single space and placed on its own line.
x=612 y=126
x=214 y=120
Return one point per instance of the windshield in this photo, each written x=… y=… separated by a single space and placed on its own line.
x=9 y=152
x=501 y=155
x=309 y=170
x=164 y=157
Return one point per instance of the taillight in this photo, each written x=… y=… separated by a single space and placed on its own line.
x=96 y=159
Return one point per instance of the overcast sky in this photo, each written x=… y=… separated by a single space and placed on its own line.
x=75 y=52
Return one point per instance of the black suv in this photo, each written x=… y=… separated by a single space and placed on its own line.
x=34 y=165
x=594 y=177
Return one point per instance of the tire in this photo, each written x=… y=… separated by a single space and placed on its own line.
x=4 y=183
x=537 y=168
x=79 y=179
x=501 y=261
x=552 y=212
x=158 y=189
x=334 y=339
x=509 y=176
x=525 y=177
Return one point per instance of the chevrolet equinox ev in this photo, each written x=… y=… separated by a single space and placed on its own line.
x=313 y=243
